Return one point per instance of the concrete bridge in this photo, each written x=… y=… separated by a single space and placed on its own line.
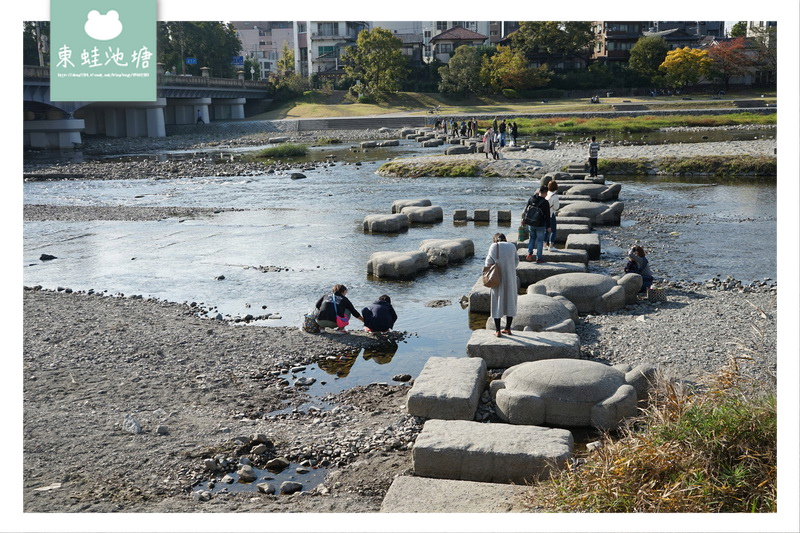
x=181 y=100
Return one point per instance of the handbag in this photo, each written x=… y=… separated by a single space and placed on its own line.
x=656 y=295
x=310 y=322
x=341 y=321
x=491 y=276
x=523 y=233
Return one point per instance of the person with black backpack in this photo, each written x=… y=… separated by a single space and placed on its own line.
x=537 y=217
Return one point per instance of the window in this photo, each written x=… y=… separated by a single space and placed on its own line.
x=327 y=28
x=326 y=50
x=441 y=25
x=444 y=48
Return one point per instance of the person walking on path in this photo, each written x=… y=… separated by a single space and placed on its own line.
x=552 y=199
x=504 y=296
x=537 y=218
x=594 y=149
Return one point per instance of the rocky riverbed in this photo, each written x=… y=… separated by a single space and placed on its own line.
x=130 y=404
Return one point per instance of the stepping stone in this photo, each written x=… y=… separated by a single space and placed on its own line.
x=397 y=265
x=597 y=192
x=412 y=494
x=423 y=215
x=504 y=216
x=600 y=213
x=591 y=293
x=567 y=198
x=493 y=453
x=521 y=347
x=590 y=242
x=460 y=214
x=398 y=205
x=555 y=255
x=481 y=215
x=386 y=223
x=449 y=250
x=448 y=388
x=529 y=272
x=584 y=221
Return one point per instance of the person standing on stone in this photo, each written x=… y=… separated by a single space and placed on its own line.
x=488 y=143
x=502 y=133
x=594 y=149
x=514 y=133
x=380 y=316
x=504 y=296
x=537 y=218
x=335 y=310
x=553 y=200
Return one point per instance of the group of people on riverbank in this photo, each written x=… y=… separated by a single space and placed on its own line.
x=334 y=310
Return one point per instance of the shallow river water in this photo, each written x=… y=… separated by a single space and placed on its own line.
x=312 y=230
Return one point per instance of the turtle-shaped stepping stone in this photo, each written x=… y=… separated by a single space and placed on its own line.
x=570 y=392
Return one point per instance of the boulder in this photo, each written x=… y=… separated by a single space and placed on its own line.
x=398 y=205
x=591 y=293
x=396 y=265
x=386 y=223
x=567 y=392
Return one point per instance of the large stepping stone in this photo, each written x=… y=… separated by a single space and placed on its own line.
x=591 y=293
x=564 y=230
x=397 y=265
x=590 y=242
x=493 y=453
x=595 y=192
x=554 y=255
x=566 y=200
x=632 y=283
x=570 y=392
x=583 y=221
x=442 y=252
x=423 y=215
x=448 y=388
x=398 y=205
x=536 y=312
x=412 y=494
x=529 y=272
x=522 y=347
x=386 y=223
x=600 y=213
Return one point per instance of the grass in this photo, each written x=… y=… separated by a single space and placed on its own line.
x=705 y=450
x=436 y=169
x=721 y=166
x=281 y=150
x=315 y=104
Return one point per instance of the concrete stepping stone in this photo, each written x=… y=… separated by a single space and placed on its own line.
x=493 y=453
x=554 y=255
x=386 y=223
x=398 y=205
x=590 y=242
x=397 y=265
x=521 y=347
x=423 y=215
x=600 y=213
x=591 y=293
x=570 y=392
x=583 y=221
x=448 y=388
x=412 y=494
x=529 y=272
x=596 y=192
x=566 y=198
x=442 y=252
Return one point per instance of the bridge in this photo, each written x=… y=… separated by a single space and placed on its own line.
x=180 y=100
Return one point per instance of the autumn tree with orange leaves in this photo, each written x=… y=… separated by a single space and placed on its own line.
x=729 y=59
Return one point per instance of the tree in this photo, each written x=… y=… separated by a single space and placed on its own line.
x=376 y=61
x=285 y=64
x=685 y=66
x=509 y=69
x=212 y=44
x=739 y=29
x=555 y=38
x=36 y=35
x=729 y=59
x=765 y=41
x=646 y=56
x=462 y=74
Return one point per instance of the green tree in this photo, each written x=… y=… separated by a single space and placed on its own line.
x=376 y=61
x=35 y=38
x=255 y=66
x=212 y=44
x=739 y=29
x=554 y=38
x=646 y=56
x=685 y=66
x=508 y=69
x=461 y=75
x=285 y=64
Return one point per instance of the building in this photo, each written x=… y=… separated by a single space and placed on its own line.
x=699 y=28
x=444 y=44
x=320 y=46
x=263 y=41
x=614 y=39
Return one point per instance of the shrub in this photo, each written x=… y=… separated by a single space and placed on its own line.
x=282 y=150
x=511 y=94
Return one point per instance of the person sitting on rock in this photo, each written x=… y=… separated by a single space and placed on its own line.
x=638 y=264
x=380 y=316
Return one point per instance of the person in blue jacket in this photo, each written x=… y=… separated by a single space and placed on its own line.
x=380 y=316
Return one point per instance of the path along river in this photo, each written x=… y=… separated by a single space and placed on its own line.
x=311 y=230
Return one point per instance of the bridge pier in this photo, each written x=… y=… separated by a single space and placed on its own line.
x=187 y=110
x=228 y=108
x=125 y=119
x=52 y=134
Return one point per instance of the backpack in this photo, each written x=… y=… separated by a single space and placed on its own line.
x=533 y=216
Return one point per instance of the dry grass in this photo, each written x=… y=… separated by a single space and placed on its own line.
x=702 y=449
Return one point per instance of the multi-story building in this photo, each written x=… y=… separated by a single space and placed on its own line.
x=320 y=46
x=263 y=41
x=699 y=28
x=614 y=39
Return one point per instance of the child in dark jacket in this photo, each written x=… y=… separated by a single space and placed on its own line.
x=380 y=316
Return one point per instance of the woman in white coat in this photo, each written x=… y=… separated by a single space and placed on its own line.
x=504 y=296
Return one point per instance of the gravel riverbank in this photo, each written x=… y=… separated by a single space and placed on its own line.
x=129 y=403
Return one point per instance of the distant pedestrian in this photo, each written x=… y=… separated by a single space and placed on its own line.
x=553 y=200
x=488 y=143
x=503 y=133
x=514 y=133
x=200 y=117
x=594 y=149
